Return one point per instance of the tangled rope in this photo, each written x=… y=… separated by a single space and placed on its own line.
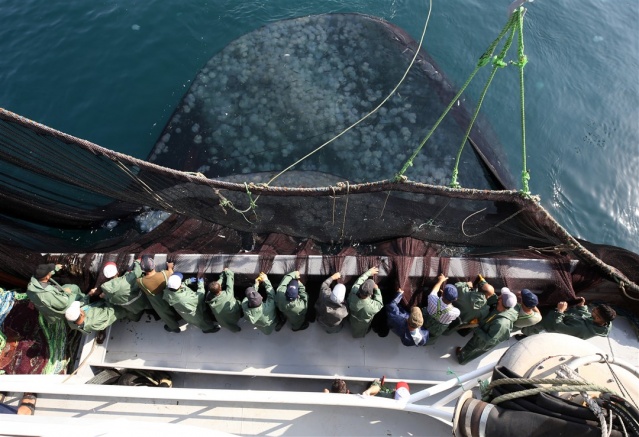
x=558 y=385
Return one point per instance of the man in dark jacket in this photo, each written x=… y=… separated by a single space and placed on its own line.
x=407 y=325
x=330 y=307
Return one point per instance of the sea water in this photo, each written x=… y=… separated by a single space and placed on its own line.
x=112 y=73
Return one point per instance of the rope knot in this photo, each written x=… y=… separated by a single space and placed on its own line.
x=498 y=62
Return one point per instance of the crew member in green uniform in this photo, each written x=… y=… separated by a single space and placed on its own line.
x=577 y=321
x=527 y=309
x=153 y=284
x=123 y=291
x=474 y=304
x=224 y=306
x=91 y=318
x=364 y=301
x=49 y=297
x=292 y=300
x=189 y=304
x=492 y=330
x=259 y=312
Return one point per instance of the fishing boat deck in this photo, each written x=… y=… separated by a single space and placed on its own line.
x=309 y=354
x=300 y=364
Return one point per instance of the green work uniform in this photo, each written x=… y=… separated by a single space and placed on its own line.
x=190 y=306
x=472 y=304
x=263 y=317
x=125 y=293
x=51 y=299
x=525 y=319
x=362 y=311
x=153 y=288
x=225 y=307
x=432 y=324
x=294 y=310
x=98 y=317
x=576 y=321
x=491 y=331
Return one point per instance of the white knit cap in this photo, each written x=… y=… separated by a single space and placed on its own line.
x=338 y=293
x=175 y=281
x=110 y=270
x=73 y=312
x=508 y=299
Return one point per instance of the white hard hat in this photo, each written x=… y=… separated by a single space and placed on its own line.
x=73 y=312
x=110 y=270
x=175 y=281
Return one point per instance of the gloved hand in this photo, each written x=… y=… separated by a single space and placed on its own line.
x=200 y=280
x=193 y=280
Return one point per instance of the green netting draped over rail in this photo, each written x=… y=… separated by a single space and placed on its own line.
x=338 y=213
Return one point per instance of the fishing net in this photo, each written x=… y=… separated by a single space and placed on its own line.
x=246 y=164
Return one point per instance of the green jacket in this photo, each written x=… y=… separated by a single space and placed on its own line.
x=576 y=321
x=124 y=292
x=225 y=307
x=435 y=327
x=362 y=311
x=471 y=303
x=263 y=317
x=51 y=300
x=524 y=320
x=491 y=331
x=295 y=310
x=189 y=305
x=98 y=317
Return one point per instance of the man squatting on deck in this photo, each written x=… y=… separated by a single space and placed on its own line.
x=490 y=317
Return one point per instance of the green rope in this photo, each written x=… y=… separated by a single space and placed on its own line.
x=452 y=372
x=409 y=162
x=498 y=63
x=484 y=389
x=483 y=60
x=525 y=174
x=514 y=24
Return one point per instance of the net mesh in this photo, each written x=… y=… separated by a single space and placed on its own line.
x=215 y=173
x=400 y=220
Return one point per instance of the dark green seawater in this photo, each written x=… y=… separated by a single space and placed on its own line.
x=112 y=73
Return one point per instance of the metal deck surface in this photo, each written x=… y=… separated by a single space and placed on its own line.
x=250 y=362
x=311 y=353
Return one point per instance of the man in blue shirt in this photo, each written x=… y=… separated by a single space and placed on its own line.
x=407 y=325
